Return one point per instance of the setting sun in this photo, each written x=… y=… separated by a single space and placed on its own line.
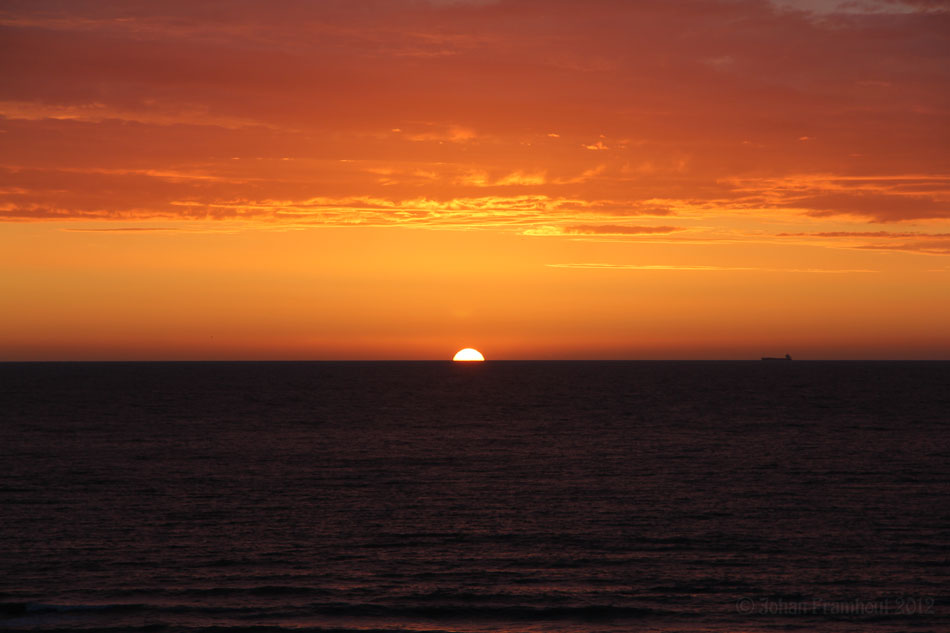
x=468 y=354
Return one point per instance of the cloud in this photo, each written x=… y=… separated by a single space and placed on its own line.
x=521 y=178
x=454 y=3
x=873 y=234
x=586 y=175
x=603 y=229
x=617 y=229
x=905 y=241
x=692 y=267
x=923 y=246
x=880 y=207
x=450 y=134
x=464 y=212
x=859 y=7
x=127 y=229
x=96 y=112
x=879 y=198
x=175 y=103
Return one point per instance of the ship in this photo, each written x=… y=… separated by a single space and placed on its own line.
x=786 y=357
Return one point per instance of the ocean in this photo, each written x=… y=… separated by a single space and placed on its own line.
x=499 y=496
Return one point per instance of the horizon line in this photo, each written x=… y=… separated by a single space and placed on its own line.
x=496 y=360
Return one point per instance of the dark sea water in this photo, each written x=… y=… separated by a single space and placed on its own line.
x=504 y=496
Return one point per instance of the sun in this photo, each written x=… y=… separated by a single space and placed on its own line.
x=468 y=354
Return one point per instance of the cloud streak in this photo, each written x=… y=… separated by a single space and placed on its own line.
x=905 y=241
x=603 y=229
x=705 y=268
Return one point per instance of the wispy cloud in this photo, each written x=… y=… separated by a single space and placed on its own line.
x=906 y=241
x=521 y=178
x=152 y=114
x=603 y=229
x=872 y=234
x=442 y=134
x=923 y=247
x=879 y=198
x=127 y=229
x=585 y=176
x=710 y=268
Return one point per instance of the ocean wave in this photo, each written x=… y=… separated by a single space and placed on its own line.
x=36 y=608
x=487 y=612
x=270 y=628
x=448 y=611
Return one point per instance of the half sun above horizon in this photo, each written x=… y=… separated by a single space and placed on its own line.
x=468 y=354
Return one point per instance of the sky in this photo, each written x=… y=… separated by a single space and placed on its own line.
x=398 y=179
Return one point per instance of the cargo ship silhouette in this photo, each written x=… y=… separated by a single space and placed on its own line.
x=786 y=357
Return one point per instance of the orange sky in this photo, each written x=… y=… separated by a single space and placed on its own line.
x=402 y=178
